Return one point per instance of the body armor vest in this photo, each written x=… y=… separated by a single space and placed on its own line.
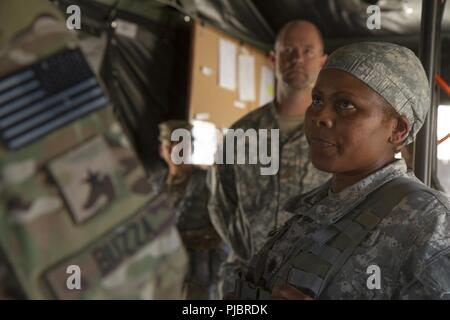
x=314 y=262
x=78 y=219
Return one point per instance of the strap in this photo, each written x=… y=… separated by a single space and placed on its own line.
x=307 y=280
x=377 y=206
x=323 y=235
x=380 y=203
x=351 y=230
x=255 y=271
x=325 y=252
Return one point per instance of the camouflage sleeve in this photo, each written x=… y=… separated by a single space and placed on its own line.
x=229 y=273
x=426 y=272
x=9 y=287
x=224 y=211
x=433 y=283
x=3 y=277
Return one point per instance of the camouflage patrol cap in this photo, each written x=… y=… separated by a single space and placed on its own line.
x=392 y=71
x=167 y=127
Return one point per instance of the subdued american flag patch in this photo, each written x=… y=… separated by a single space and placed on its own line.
x=45 y=96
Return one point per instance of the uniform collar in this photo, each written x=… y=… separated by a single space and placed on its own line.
x=326 y=207
x=274 y=124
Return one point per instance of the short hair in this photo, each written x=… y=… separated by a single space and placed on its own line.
x=293 y=23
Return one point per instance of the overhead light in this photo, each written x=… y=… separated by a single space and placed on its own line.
x=187 y=18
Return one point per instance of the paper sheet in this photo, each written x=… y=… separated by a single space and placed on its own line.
x=205 y=142
x=227 y=64
x=266 y=89
x=246 y=77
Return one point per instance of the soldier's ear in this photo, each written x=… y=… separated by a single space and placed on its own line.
x=273 y=58
x=323 y=59
x=400 y=131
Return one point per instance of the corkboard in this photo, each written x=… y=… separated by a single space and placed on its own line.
x=208 y=101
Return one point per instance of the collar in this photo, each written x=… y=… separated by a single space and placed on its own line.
x=326 y=207
x=274 y=124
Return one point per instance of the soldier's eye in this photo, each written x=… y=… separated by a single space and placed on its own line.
x=309 y=52
x=287 y=51
x=316 y=100
x=346 y=105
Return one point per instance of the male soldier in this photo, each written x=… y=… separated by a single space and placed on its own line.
x=245 y=205
x=186 y=186
x=76 y=218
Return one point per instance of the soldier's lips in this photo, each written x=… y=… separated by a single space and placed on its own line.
x=321 y=143
x=295 y=71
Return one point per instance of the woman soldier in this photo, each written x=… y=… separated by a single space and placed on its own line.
x=373 y=231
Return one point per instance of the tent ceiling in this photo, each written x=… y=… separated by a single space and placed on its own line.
x=340 y=20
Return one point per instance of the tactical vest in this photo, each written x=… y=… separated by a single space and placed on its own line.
x=77 y=218
x=313 y=263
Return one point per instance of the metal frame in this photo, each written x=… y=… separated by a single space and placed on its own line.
x=429 y=52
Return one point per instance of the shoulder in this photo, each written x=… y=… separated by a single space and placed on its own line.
x=428 y=260
x=255 y=118
x=422 y=209
x=425 y=201
x=432 y=214
x=157 y=178
x=427 y=212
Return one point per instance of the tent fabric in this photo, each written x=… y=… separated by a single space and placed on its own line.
x=147 y=77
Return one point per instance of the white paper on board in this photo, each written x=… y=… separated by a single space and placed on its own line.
x=247 y=77
x=239 y=104
x=227 y=64
x=266 y=89
x=205 y=142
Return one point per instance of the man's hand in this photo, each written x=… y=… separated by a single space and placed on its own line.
x=288 y=292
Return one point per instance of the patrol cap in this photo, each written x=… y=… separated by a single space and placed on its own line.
x=167 y=127
x=392 y=71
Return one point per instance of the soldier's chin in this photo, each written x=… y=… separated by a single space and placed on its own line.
x=323 y=164
x=297 y=82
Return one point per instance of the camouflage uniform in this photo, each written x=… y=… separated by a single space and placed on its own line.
x=245 y=205
x=200 y=239
x=78 y=196
x=410 y=245
x=189 y=195
x=388 y=225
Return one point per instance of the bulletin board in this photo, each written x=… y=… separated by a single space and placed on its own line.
x=208 y=100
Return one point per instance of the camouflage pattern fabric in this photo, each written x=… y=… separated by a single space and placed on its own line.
x=203 y=244
x=78 y=196
x=167 y=127
x=40 y=232
x=245 y=205
x=200 y=238
x=42 y=23
x=410 y=245
x=392 y=71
